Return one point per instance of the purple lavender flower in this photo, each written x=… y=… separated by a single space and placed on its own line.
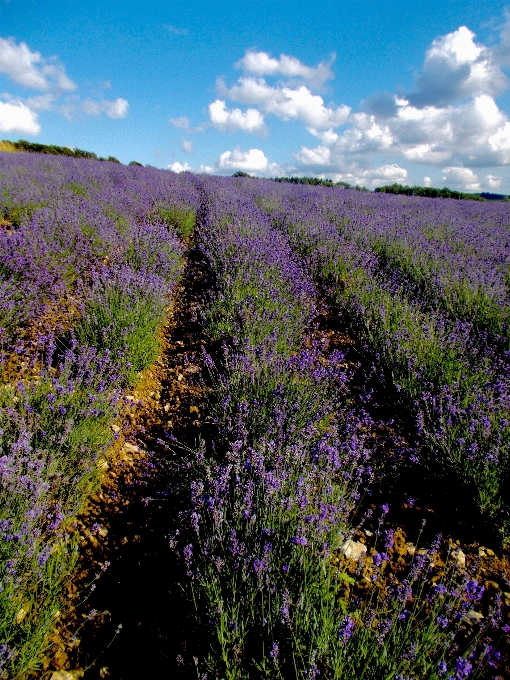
x=346 y=630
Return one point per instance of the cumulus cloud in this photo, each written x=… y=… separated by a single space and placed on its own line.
x=253 y=160
x=286 y=102
x=493 y=182
x=451 y=120
x=461 y=178
x=16 y=117
x=223 y=119
x=326 y=162
x=455 y=67
x=30 y=69
x=473 y=133
x=187 y=145
x=113 y=109
x=46 y=75
x=179 y=167
x=262 y=64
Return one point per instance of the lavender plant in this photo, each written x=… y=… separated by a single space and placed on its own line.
x=448 y=366
x=272 y=491
x=82 y=236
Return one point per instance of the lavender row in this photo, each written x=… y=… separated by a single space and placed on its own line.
x=106 y=245
x=272 y=490
x=64 y=218
x=452 y=376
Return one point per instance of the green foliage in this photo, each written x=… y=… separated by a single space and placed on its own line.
x=181 y=219
x=124 y=325
x=316 y=181
x=52 y=149
x=424 y=279
x=78 y=189
x=429 y=192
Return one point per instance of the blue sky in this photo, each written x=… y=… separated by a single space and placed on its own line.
x=365 y=91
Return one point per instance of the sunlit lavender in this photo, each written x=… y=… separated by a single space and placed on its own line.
x=90 y=256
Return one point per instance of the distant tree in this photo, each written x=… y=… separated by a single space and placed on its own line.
x=135 y=163
x=316 y=181
x=80 y=153
x=429 y=192
x=494 y=197
x=240 y=173
x=53 y=149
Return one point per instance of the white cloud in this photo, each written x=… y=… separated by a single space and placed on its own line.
x=473 y=133
x=451 y=119
x=262 y=64
x=287 y=102
x=117 y=108
x=234 y=119
x=493 y=182
x=455 y=67
x=371 y=177
x=187 y=145
x=16 y=117
x=113 y=109
x=253 y=160
x=179 y=167
x=461 y=178
x=427 y=181
x=30 y=69
x=320 y=156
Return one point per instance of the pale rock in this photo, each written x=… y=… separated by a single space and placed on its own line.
x=354 y=550
x=459 y=558
x=131 y=448
x=472 y=617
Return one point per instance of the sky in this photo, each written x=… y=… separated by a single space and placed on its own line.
x=368 y=92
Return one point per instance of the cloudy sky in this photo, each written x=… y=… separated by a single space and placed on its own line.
x=365 y=91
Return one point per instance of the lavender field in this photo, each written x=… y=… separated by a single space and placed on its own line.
x=290 y=404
